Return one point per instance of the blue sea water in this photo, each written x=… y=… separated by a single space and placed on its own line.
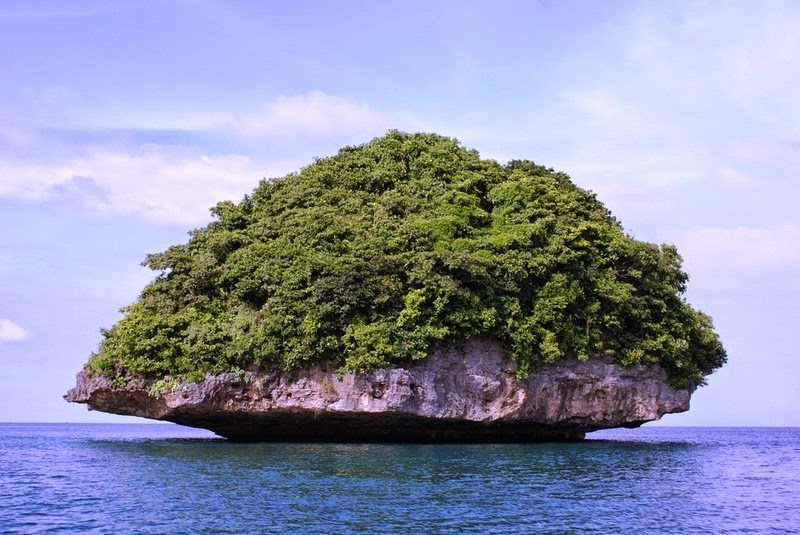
x=83 y=478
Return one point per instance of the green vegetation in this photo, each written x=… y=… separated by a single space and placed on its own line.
x=371 y=256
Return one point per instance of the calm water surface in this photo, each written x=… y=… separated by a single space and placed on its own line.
x=168 y=479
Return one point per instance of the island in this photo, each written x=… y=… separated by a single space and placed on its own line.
x=408 y=290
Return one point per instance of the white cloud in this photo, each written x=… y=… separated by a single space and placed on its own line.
x=162 y=184
x=11 y=332
x=739 y=257
x=719 y=66
x=602 y=108
x=775 y=247
x=679 y=101
x=178 y=185
x=122 y=117
x=314 y=114
x=727 y=176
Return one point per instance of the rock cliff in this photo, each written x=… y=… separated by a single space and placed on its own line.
x=464 y=393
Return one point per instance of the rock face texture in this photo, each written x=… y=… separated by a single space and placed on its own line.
x=464 y=393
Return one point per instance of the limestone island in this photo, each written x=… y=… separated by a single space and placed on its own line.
x=407 y=290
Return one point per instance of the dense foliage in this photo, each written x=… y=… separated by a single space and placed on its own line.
x=371 y=256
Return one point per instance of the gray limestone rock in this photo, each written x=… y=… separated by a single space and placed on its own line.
x=464 y=393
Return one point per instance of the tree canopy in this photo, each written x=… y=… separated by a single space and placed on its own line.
x=370 y=257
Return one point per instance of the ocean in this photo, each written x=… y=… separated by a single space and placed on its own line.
x=87 y=478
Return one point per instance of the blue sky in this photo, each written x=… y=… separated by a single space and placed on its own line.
x=122 y=122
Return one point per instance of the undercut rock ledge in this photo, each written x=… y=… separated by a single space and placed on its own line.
x=466 y=393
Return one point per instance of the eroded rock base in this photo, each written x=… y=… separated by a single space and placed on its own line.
x=465 y=393
x=358 y=428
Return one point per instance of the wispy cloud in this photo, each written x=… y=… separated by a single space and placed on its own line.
x=602 y=108
x=681 y=99
x=742 y=256
x=776 y=247
x=159 y=183
x=11 y=332
x=174 y=184
x=314 y=114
